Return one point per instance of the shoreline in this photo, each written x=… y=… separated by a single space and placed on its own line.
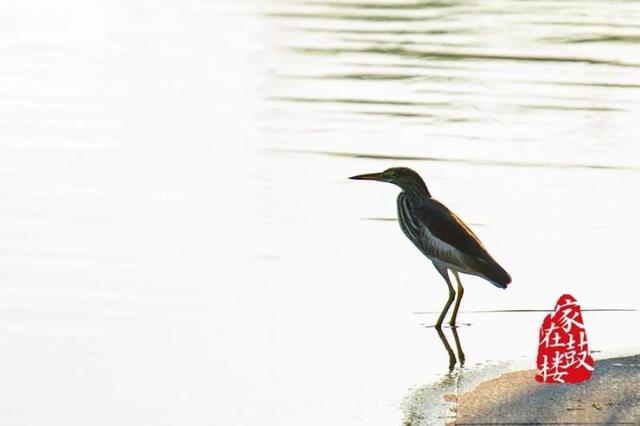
x=611 y=396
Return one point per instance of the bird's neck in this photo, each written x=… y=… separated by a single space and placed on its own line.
x=417 y=190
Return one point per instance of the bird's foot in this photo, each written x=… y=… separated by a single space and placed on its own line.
x=447 y=325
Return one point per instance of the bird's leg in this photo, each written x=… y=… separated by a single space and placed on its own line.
x=459 y=295
x=452 y=294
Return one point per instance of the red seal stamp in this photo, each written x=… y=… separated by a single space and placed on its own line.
x=563 y=352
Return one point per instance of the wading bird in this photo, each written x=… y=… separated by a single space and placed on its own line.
x=440 y=235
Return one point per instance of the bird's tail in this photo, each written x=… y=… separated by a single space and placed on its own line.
x=494 y=273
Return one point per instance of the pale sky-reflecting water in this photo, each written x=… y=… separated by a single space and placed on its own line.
x=180 y=244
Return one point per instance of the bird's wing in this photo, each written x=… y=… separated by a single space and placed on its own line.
x=448 y=236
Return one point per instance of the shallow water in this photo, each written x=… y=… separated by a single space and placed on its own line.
x=180 y=244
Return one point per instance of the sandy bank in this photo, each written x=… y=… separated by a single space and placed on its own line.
x=612 y=396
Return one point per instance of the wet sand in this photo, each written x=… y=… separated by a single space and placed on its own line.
x=612 y=396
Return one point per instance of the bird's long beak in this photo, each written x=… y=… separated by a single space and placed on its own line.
x=368 y=176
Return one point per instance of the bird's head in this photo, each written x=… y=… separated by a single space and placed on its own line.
x=404 y=177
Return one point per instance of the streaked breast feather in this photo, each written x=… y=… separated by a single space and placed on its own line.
x=410 y=227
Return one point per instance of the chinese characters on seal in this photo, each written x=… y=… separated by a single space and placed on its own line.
x=563 y=352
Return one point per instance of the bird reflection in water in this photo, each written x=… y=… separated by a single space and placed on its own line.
x=456 y=357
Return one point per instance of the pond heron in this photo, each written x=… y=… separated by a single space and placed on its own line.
x=440 y=235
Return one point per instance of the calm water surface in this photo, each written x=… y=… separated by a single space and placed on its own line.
x=180 y=244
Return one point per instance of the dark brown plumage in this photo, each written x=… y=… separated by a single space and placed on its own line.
x=449 y=228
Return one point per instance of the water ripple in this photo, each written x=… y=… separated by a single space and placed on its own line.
x=434 y=54
x=478 y=162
